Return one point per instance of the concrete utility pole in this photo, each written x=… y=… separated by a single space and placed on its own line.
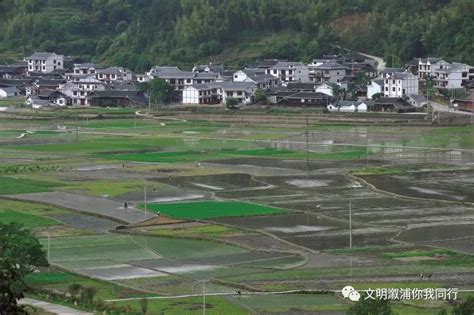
x=144 y=196
x=49 y=253
x=307 y=151
x=350 y=224
x=149 y=104
x=204 y=297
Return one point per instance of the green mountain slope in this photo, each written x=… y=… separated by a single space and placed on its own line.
x=140 y=33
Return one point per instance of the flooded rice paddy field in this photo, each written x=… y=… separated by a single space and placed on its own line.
x=393 y=215
x=324 y=195
x=455 y=185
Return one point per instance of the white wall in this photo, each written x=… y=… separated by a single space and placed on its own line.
x=190 y=95
x=372 y=89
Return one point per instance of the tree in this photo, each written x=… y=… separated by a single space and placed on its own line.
x=376 y=96
x=20 y=254
x=74 y=289
x=338 y=92
x=160 y=91
x=466 y=308
x=87 y=295
x=260 y=96
x=231 y=103
x=144 y=305
x=370 y=307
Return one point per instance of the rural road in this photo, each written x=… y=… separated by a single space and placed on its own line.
x=443 y=108
x=53 y=308
x=381 y=64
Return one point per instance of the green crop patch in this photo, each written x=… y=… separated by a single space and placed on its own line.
x=213 y=209
x=11 y=185
x=51 y=277
x=163 y=157
x=26 y=219
x=260 y=152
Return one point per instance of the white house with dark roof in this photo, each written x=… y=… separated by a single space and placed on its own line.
x=80 y=90
x=327 y=88
x=399 y=84
x=375 y=87
x=256 y=75
x=453 y=76
x=320 y=71
x=112 y=74
x=44 y=62
x=202 y=94
x=85 y=69
x=9 y=92
x=428 y=66
x=179 y=79
x=243 y=92
x=288 y=71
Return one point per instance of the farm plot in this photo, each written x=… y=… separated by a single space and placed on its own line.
x=443 y=185
x=112 y=247
x=233 y=181
x=193 y=155
x=213 y=209
x=285 y=224
x=103 y=257
x=28 y=220
x=186 y=249
x=88 y=222
x=11 y=185
x=291 y=164
x=99 y=206
x=293 y=303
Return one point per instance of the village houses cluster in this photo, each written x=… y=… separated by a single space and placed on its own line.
x=346 y=83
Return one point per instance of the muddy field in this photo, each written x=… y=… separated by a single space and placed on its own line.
x=442 y=185
x=100 y=206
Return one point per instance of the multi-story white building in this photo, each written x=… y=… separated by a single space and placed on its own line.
x=215 y=93
x=179 y=79
x=85 y=68
x=399 y=84
x=320 y=71
x=428 y=66
x=257 y=76
x=287 y=71
x=243 y=92
x=80 y=90
x=453 y=76
x=114 y=74
x=202 y=94
x=43 y=62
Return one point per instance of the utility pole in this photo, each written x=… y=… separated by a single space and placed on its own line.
x=149 y=103
x=204 y=297
x=144 y=196
x=307 y=151
x=77 y=128
x=350 y=224
x=367 y=152
x=49 y=252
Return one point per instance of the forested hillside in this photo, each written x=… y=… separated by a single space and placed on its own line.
x=139 y=33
